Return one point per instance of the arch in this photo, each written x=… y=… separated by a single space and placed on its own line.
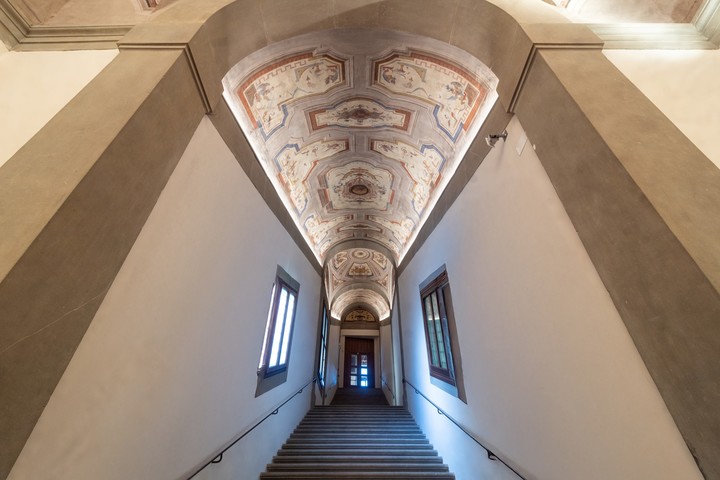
x=358 y=294
x=345 y=289
x=537 y=55
x=360 y=243
x=220 y=33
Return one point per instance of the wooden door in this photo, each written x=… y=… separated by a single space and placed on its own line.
x=359 y=364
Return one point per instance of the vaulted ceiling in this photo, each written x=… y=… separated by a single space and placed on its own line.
x=359 y=131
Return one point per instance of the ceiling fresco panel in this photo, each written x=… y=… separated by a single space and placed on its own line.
x=294 y=165
x=454 y=93
x=359 y=315
x=267 y=92
x=360 y=113
x=359 y=131
x=359 y=186
x=424 y=165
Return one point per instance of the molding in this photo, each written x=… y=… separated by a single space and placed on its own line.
x=188 y=56
x=707 y=21
x=21 y=35
x=656 y=36
x=362 y=326
x=536 y=47
x=354 y=332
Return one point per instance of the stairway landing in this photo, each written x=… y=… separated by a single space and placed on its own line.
x=359 y=396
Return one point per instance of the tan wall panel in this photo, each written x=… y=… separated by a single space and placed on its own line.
x=86 y=183
x=667 y=303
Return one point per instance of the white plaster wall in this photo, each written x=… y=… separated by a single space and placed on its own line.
x=386 y=361
x=333 y=355
x=397 y=350
x=34 y=86
x=166 y=373
x=553 y=380
x=683 y=84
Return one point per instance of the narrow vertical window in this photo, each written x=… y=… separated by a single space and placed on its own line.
x=278 y=331
x=440 y=333
x=323 y=347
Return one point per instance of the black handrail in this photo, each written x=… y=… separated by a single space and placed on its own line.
x=490 y=453
x=388 y=386
x=219 y=456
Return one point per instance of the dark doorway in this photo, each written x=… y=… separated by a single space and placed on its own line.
x=359 y=365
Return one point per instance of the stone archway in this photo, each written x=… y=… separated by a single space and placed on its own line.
x=635 y=188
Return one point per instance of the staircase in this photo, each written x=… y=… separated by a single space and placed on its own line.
x=357 y=441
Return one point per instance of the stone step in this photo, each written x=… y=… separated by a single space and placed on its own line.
x=415 y=445
x=425 y=450
x=371 y=442
x=375 y=475
x=352 y=429
x=354 y=458
x=357 y=442
x=356 y=423
x=356 y=467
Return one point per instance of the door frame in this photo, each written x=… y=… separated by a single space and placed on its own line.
x=377 y=368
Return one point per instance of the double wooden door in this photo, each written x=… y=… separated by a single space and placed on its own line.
x=359 y=368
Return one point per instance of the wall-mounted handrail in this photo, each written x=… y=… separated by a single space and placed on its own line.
x=490 y=453
x=390 y=389
x=218 y=456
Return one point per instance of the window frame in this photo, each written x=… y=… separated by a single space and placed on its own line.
x=446 y=351
x=271 y=376
x=322 y=357
x=439 y=350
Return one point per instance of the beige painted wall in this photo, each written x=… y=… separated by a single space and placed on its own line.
x=34 y=86
x=104 y=12
x=166 y=373
x=553 y=380
x=683 y=84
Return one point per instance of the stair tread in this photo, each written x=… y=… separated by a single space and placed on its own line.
x=357 y=458
x=359 y=446
x=356 y=442
x=379 y=475
x=357 y=451
x=358 y=467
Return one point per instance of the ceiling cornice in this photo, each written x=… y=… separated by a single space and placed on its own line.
x=20 y=35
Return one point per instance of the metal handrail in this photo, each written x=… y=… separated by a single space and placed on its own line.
x=490 y=453
x=217 y=458
x=390 y=389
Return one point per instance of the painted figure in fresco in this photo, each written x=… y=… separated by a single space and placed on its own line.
x=317 y=77
x=405 y=78
x=294 y=166
x=318 y=229
x=262 y=99
x=269 y=93
x=456 y=103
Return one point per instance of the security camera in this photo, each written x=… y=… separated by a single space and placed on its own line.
x=492 y=139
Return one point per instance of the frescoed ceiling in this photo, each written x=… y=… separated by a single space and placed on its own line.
x=359 y=131
x=356 y=268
